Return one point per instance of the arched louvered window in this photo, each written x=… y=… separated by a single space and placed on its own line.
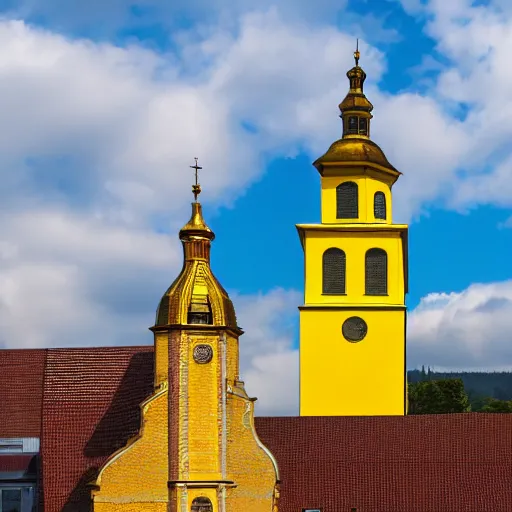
x=379 y=205
x=202 y=504
x=334 y=266
x=347 y=200
x=376 y=272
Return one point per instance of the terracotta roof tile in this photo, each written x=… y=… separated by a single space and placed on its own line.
x=21 y=389
x=459 y=462
x=90 y=409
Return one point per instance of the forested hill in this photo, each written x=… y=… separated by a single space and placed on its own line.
x=477 y=384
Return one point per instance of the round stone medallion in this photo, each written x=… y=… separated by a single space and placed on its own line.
x=203 y=354
x=354 y=329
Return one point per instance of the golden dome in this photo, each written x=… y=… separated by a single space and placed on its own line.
x=196 y=297
x=356 y=151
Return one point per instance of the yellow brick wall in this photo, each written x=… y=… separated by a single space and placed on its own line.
x=249 y=465
x=131 y=507
x=161 y=358
x=136 y=476
x=203 y=411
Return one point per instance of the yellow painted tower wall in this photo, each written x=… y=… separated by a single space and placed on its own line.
x=338 y=377
x=367 y=186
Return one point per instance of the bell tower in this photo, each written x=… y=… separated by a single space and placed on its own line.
x=352 y=323
x=197 y=449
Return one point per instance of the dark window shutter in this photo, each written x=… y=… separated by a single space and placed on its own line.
x=379 y=205
x=333 y=271
x=376 y=272
x=347 y=200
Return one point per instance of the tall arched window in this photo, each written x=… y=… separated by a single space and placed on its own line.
x=347 y=200
x=379 y=205
x=201 y=504
x=333 y=271
x=376 y=272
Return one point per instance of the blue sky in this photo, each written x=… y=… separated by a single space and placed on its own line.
x=105 y=106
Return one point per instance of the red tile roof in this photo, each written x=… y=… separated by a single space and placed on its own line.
x=456 y=463
x=21 y=391
x=90 y=409
x=452 y=462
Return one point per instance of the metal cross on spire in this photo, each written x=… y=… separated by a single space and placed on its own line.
x=196 y=189
x=356 y=53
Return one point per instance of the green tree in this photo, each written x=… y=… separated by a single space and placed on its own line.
x=494 y=405
x=438 y=397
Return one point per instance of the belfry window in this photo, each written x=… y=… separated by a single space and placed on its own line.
x=201 y=504
x=334 y=269
x=363 y=126
x=379 y=205
x=352 y=124
x=356 y=125
x=376 y=272
x=347 y=200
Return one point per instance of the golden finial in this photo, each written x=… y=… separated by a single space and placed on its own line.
x=356 y=53
x=196 y=189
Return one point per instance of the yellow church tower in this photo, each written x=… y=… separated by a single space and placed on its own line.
x=197 y=449
x=352 y=323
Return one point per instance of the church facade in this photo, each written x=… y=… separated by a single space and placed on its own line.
x=171 y=427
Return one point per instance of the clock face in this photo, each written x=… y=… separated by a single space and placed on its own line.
x=203 y=354
x=354 y=329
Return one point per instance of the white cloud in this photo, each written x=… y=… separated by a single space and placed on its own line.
x=71 y=281
x=269 y=361
x=470 y=160
x=469 y=330
x=96 y=140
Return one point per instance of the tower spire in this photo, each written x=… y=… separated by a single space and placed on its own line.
x=356 y=53
x=195 y=234
x=196 y=188
x=355 y=108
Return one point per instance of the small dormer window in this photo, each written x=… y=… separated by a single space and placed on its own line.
x=199 y=311
x=352 y=124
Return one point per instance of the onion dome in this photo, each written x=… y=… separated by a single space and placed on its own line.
x=196 y=297
x=355 y=147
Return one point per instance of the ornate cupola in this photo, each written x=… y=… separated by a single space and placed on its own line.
x=196 y=297
x=355 y=108
x=355 y=147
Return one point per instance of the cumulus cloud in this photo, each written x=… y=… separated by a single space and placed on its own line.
x=472 y=88
x=269 y=359
x=97 y=140
x=71 y=281
x=469 y=330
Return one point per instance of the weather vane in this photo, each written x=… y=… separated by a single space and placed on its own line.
x=196 y=189
x=356 y=53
